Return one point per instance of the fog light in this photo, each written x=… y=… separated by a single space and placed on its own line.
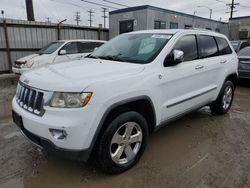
x=58 y=134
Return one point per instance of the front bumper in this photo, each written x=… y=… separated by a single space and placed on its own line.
x=79 y=124
x=47 y=145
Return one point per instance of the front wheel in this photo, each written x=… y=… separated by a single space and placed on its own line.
x=122 y=143
x=224 y=101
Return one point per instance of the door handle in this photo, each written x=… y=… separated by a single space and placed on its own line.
x=223 y=61
x=199 y=67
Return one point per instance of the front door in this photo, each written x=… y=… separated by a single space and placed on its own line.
x=183 y=86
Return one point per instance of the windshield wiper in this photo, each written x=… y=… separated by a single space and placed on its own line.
x=109 y=57
x=91 y=56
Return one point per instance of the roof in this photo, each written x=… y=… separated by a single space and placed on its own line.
x=131 y=9
x=82 y=40
x=242 y=17
x=174 y=31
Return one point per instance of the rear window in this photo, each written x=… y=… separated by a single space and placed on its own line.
x=244 y=52
x=208 y=46
x=223 y=46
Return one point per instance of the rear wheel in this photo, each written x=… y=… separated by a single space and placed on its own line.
x=223 y=103
x=122 y=143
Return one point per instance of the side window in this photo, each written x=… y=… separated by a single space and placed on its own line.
x=223 y=45
x=208 y=46
x=87 y=47
x=71 y=48
x=188 y=45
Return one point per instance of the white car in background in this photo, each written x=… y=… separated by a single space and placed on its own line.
x=58 y=51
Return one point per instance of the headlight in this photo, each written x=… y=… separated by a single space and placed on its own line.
x=27 y=64
x=70 y=100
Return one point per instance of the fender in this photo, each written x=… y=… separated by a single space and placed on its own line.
x=108 y=110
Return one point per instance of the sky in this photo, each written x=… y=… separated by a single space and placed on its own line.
x=57 y=10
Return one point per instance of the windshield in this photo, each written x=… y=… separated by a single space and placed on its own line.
x=244 y=52
x=235 y=45
x=134 y=48
x=50 y=48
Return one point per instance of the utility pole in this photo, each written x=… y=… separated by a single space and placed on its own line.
x=104 y=16
x=77 y=18
x=232 y=7
x=30 y=10
x=90 y=17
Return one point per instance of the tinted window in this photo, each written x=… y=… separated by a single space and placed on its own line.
x=188 y=45
x=126 y=26
x=224 y=48
x=71 y=48
x=86 y=47
x=160 y=25
x=208 y=46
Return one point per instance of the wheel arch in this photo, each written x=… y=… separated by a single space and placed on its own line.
x=141 y=104
x=233 y=78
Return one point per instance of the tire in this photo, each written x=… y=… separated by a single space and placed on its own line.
x=224 y=101
x=122 y=143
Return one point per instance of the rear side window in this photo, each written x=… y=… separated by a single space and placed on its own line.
x=208 y=46
x=188 y=45
x=223 y=45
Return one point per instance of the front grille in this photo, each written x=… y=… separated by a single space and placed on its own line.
x=30 y=99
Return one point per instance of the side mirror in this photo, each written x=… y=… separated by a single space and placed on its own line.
x=174 y=58
x=62 y=52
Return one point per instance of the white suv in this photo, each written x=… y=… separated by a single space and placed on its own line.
x=58 y=51
x=104 y=106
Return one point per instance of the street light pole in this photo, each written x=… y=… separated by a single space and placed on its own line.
x=210 y=10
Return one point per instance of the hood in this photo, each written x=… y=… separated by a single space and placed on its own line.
x=76 y=75
x=34 y=57
x=27 y=58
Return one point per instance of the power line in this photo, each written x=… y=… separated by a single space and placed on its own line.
x=90 y=17
x=116 y=3
x=77 y=18
x=99 y=4
x=245 y=6
x=231 y=5
x=104 y=16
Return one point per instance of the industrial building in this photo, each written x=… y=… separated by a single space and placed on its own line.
x=239 y=28
x=150 y=17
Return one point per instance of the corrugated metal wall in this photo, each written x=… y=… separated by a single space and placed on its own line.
x=27 y=37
